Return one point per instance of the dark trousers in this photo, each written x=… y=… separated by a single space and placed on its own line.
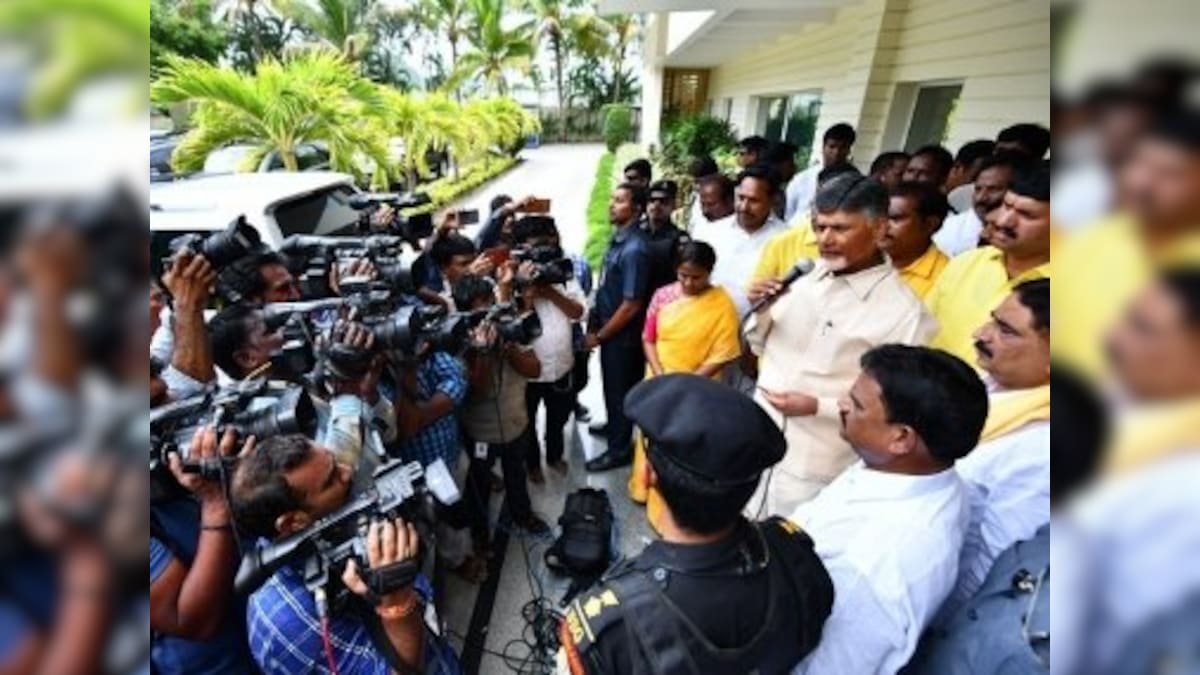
x=516 y=487
x=560 y=402
x=623 y=365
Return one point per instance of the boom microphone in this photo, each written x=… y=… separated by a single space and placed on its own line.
x=802 y=267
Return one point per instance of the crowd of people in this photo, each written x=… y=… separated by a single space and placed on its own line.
x=833 y=388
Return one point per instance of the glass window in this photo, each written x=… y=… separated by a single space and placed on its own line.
x=322 y=213
x=932 y=115
x=791 y=118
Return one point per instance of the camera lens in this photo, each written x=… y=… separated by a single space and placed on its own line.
x=398 y=330
x=292 y=414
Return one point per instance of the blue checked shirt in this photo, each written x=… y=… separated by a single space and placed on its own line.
x=285 y=634
x=443 y=373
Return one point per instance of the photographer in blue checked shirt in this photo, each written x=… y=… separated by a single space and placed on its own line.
x=281 y=487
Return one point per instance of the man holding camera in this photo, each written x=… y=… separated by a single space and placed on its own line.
x=495 y=419
x=280 y=488
x=558 y=303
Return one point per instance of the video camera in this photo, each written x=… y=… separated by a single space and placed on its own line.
x=326 y=546
x=410 y=228
x=172 y=426
x=399 y=265
x=512 y=325
x=549 y=265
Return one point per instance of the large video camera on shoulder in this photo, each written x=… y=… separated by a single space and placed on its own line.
x=399 y=490
x=512 y=325
x=410 y=228
x=549 y=265
x=251 y=408
x=310 y=259
x=238 y=240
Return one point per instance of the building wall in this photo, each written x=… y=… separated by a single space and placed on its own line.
x=867 y=60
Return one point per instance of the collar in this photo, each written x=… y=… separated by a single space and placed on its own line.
x=621 y=234
x=867 y=484
x=927 y=264
x=729 y=553
x=862 y=282
x=995 y=256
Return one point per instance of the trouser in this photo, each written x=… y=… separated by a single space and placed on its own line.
x=516 y=487
x=560 y=401
x=622 y=365
x=453 y=522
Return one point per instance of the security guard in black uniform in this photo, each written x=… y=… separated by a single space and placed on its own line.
x=718 y=595
x=663 y=237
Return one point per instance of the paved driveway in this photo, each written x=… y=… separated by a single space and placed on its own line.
x=564 y=173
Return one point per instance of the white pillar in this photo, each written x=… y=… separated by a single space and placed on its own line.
x=654 y=46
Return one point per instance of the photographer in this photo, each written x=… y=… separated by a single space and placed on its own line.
x=243 y=346
x=258 y=278
x=453 y=256
x=188 y=281
x=283 y=486
x=558 y=305
x=198 y=625
x=495 y=419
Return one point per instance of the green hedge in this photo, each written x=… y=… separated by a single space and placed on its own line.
x=599 y=230
x=445 y=190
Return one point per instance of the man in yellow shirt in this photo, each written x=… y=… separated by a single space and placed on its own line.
x=976 y=282
x=1108 y=262
x=782 y=253
x=915 y=213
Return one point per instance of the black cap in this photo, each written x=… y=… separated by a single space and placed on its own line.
x=664 y=188
x=716 y=435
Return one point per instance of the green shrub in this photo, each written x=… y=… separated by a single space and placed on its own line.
x=445 y=190
x=618 y=125
x=599 y=230
x=694 y=136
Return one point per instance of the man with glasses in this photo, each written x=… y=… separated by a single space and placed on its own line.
x=662 y=235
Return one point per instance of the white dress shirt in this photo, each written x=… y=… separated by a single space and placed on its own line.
x=890 y=543
x=801 y=191
x=961 y=198
x=959 y=233
x=707 y=231
x=737 y=256
x=554 y=347
x=1008 y=479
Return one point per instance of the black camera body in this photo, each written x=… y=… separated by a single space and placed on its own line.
x=549 y=265
x=329 y=543
x=512 y=325
x=173 y=425
x=222 y=248
x=310 y=258
x=410 y=228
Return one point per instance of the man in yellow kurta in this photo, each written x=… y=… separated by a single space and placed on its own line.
x=1107 y=263
x=810 y=339
x=915 y=213
x=976 y=282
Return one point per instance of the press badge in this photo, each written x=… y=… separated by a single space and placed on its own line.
x=481 y=450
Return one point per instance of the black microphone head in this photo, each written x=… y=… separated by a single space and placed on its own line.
x=802 y=267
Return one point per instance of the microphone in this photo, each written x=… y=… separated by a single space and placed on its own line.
x=802 y=267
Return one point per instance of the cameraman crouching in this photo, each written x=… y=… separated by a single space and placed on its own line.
x=281 y=487
x=494 y=418
x=558 y=301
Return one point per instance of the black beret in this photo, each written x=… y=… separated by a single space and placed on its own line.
x=666 y=188
x=710 y=431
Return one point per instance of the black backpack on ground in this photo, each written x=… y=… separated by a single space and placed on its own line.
x=584 y=547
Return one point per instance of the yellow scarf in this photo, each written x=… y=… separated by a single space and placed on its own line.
x=1011 y=410
x=1150 y=433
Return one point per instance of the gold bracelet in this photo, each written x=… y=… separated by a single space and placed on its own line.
x=396 y=612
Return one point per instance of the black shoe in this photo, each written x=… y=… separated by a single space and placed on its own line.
x=534 y=525
x=582 y=414
x=598 y=429
x=609 y=461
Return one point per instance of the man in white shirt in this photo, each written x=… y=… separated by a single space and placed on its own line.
x=1008 y=475
x=714 y=207
x=961 y=232
x=557 y=305
x=967 y=162
x=738 y=247
x=836 y=145
x=890 y=528
x=811 y=338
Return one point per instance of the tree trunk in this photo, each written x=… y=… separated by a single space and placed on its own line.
x=453 y=37
x=558 y=74
x=288 y=155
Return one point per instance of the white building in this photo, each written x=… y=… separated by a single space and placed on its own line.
x=902 y=72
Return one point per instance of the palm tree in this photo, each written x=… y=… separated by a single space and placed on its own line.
x=309 y=96
x=244 y=12
x=448 y=18
x=566 y=29
x=344 y=25
x=495 y=50
x=625 y=28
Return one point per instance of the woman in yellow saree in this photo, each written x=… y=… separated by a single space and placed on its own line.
x=691 y=327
